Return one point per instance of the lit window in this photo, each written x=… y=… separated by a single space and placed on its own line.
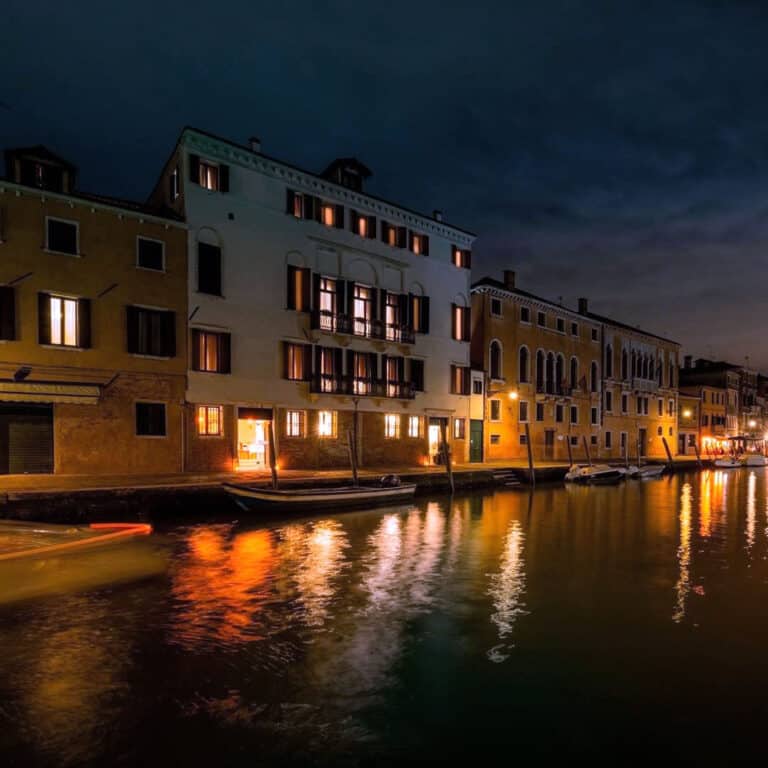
x=362 y=226
x=328 y=215
x=461 y=257
x=63 y=321
x=459 y=428
x=461 y=323
x=209 y=175
x=298 y=206
x=414 y=426
x=326 y=423
x=212 y=349
x=209 y=420
x=297 y=361
x=417 y=244
x=294 y=424
x=391 y=425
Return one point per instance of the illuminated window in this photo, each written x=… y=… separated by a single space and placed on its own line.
x=461 y=257
x=326 y=423
x=294 y=423
x=209 y=420
x=459 y=429
x=298 y=288
x=63 y=321
x=297 y=205
x=461 y=323
x=328 y=215
x=362 y=309
x=391 y=425
x=297 y=361
x=209 y=175
x=210 y=351
x=414 y=426
x=417 y=244
x=327 y=303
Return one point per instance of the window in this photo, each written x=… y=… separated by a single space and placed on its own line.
x=495 y=307
x=608 y=362
x=574 y=440
x=593 y=439
x=541 y=319
x=495 y=439
x=525 y=315
x=609 y=401
x=461 y=257
x=150 y=254
x=210 y=351
x=459 y=429
x=623 y=441
x=419 y=244
x=625 y=403
x=460 y=378
x=417 y=375
x=609 y=440
x=297 y=296
x=420 y=314
x=593 y=416
x=477 y=387
x=64 y=321
x=414 y=426
x=62 y=236
x=523 y=439
x=393 y=316
x=574 y=373
x=574 y=329
x=208 y=177
x=326 y=423
x=209 y=420
x=325 y=296
x=391 y=425
x=329 y=215
x=209 y=269
x=363 y=225
x=461 y=326
x=523 y=410
x=150 y=419
x=495 y=360
x=173 y=184
x=594 y=334
x=559 y=413
x=560 y=324
x=660 y=431
x=539 y=411
x=151 y=332
x=670 y=431
x=297 y=361
x=7 y=313
x=574 y=414
x=523 y=366
x=671 y=408
x=295 y=423
x=660 y=405
x=624 y=365
x=494 y=410
x=593 y=378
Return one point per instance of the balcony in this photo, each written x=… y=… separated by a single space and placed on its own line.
x=550 y=388
x=399 y=333
x=356 y=386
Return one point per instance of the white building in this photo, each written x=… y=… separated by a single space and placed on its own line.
x=311 y=300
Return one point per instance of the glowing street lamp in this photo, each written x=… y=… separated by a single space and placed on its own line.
x=687 y=413
x=513 y=395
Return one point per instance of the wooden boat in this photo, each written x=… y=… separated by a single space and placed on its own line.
x=753 y=460
x=249 y=497
x=646 y=472
x=728 y=463
x=598 y=474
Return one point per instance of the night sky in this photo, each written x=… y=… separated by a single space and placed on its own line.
x=598 y=150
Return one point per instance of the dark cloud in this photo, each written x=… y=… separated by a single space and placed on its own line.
x=615 y=150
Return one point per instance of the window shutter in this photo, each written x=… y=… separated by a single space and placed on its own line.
x=454 y=329
x=309 y=207
x=318 y=209
x=402 y=237
x=410 y=240
x=466 y=324
x=371 y=227
x=417 y=375
x=401 y=369
x=84 y=323
x=132 y=329
x=403 y=303
x=339 y=217
x=351 y=370
x=338 y=362
x=223 y=178
x=384 y=371
x=468 y=259
x=194 y=168
x=424 y=308
x=383 y=303
x=194 y=352
x=290 y=294
x=7 y=313
x=374 y=304
x=225 y=353
x=453 y=379
x=209 y=269
x=169 y=334
x=290 y=201
x=411 y=311
x=340 y=287
x=350 y=309
x=44 y=317
x=425 y=243
x=307 y=355
x=384 y=231
x=316 y=291
x=306 y=275
x=373 y=364
x=353 y=214
x=465 y=381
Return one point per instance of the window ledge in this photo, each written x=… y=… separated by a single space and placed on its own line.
x=211 y=295
x=152 y=437
x=149 y=357
x=151 y=269
x=78 y=255
x=66 y=347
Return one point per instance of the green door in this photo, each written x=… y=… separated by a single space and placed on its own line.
x=476 y=440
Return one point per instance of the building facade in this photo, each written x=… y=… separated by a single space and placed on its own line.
x=316 y=310
x=92 y=345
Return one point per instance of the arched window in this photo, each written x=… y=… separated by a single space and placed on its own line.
x=608 y=362
x=593 y=377
x=560 y=382
x=523 y=374
x=550 y=373
x=624 y=364
x=540 y=371
x=651 y=369
x=495 y=360
x=574 y=373
x=634 y=364
x=660 y=371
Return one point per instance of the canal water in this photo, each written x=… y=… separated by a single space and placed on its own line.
x=623 y=624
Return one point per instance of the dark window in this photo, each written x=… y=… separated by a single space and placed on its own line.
x=559 y=413
x=495 y=410
x=574 y=329
x=151 y=332
x=539 y=411
x=541 y=319
x=522 y=410
x=62 y=236
x=496 y=307
x=209 y=269
x=150 y=419
x=299 y=282
x=477 y=387
x=7 y=313
x=495 y=360
x=150 y=254
x=608 y=440
x=417 y=374
x=211 y=351
x=525 y=315
x=560 y=323
x=594 y=334
x=593 y=416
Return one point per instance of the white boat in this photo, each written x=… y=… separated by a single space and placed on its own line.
x=728 y=462
x=754 y=460
x=649 y=471
x=251 y=497
x=596 y=474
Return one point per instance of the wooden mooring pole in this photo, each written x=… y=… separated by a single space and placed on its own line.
x=446 y=452
x=272 y=457
x=531 y=469
x=351 y=443
x=586 y=450
x=570 y=452
x=698 y=455
x=669 y=453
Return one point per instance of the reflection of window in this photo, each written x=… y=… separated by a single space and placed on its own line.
x=209 y=421
x=326 y=423
x=459 y=429
x=294 y=423
x=414 y=426
x=391 y=425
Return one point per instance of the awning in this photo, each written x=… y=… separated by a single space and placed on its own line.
x=48 y=392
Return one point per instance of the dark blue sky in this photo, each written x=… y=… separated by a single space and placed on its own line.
x=617 y=150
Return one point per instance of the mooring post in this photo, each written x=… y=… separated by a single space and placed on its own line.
x=446 y=452
x=352 y=455
x=586 y=450
x=272 y=457
x=698 y=455
x=531 y=469
x=669 y=453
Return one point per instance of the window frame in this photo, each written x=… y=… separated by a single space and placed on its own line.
x=498 y=418
x=136 y=404
x=333 y=426
x=391 y=426
x=302 y=423
x=207 y=409
x=77 y=254
x=162 y=253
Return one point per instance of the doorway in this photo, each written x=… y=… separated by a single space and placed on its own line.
x=26 y=439
x=253 y=438
x=476 y=440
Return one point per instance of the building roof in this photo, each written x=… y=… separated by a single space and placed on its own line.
x=41 y=152
x=490 y=282
x=245 y=148
x=610 y=321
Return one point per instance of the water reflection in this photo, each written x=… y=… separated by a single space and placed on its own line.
x=683 y=586
x=751 y=521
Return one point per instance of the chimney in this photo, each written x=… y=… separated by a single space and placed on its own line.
x=255 y=143
x=437 y=215
x=688 y=361
x=583 y=306
x=509 y=279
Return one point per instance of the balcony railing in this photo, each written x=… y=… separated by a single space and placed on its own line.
x=360 y=326
x=358 y=386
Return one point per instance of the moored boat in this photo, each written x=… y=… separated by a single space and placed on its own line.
x=649 y=471
x=754 y=460
x=728 y=462
x=597 y=474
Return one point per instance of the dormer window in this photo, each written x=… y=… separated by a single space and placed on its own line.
x=39 y=167
x=209 y=174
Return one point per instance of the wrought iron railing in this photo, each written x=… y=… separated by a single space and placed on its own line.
x=359 y=386
x=336 y=322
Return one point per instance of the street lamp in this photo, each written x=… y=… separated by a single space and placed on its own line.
x=687 y=413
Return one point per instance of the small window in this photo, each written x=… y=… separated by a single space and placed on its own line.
x=295 y=423
x=541 y=319
x=297 y=361
x=209 y=177
x=525 y=315
x=477 y=387
x=495 y=439
x=420 y=314
x=328 y=214
x=539 y=411
x=461 y=257
x=593 y=416
x=660 y=431
x=414 y=426
x=496 y=307
x=594 y=334
x=593 y=439
x=391 y=425
x=574 y=414
x=460 y=380
x=625 y=403
x=670 y=431
x=151 y=332
x=326 y=423
x=574 y=329
x=150 y=419
x=459 y=429
x=419 y=244
x=609 y=401
x=660 y=406
x=209 y=269
x=523 y=410
x=609 y=440
x=560 y=323
x=62 y=236
x=623 y=440
x=495 y=410
x=523 y=439
x=210 y=351
x=559 y=414
x=209 y=420
x=150 y=254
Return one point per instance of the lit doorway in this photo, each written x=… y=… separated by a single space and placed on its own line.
x=435 y=439
x=253 y=438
